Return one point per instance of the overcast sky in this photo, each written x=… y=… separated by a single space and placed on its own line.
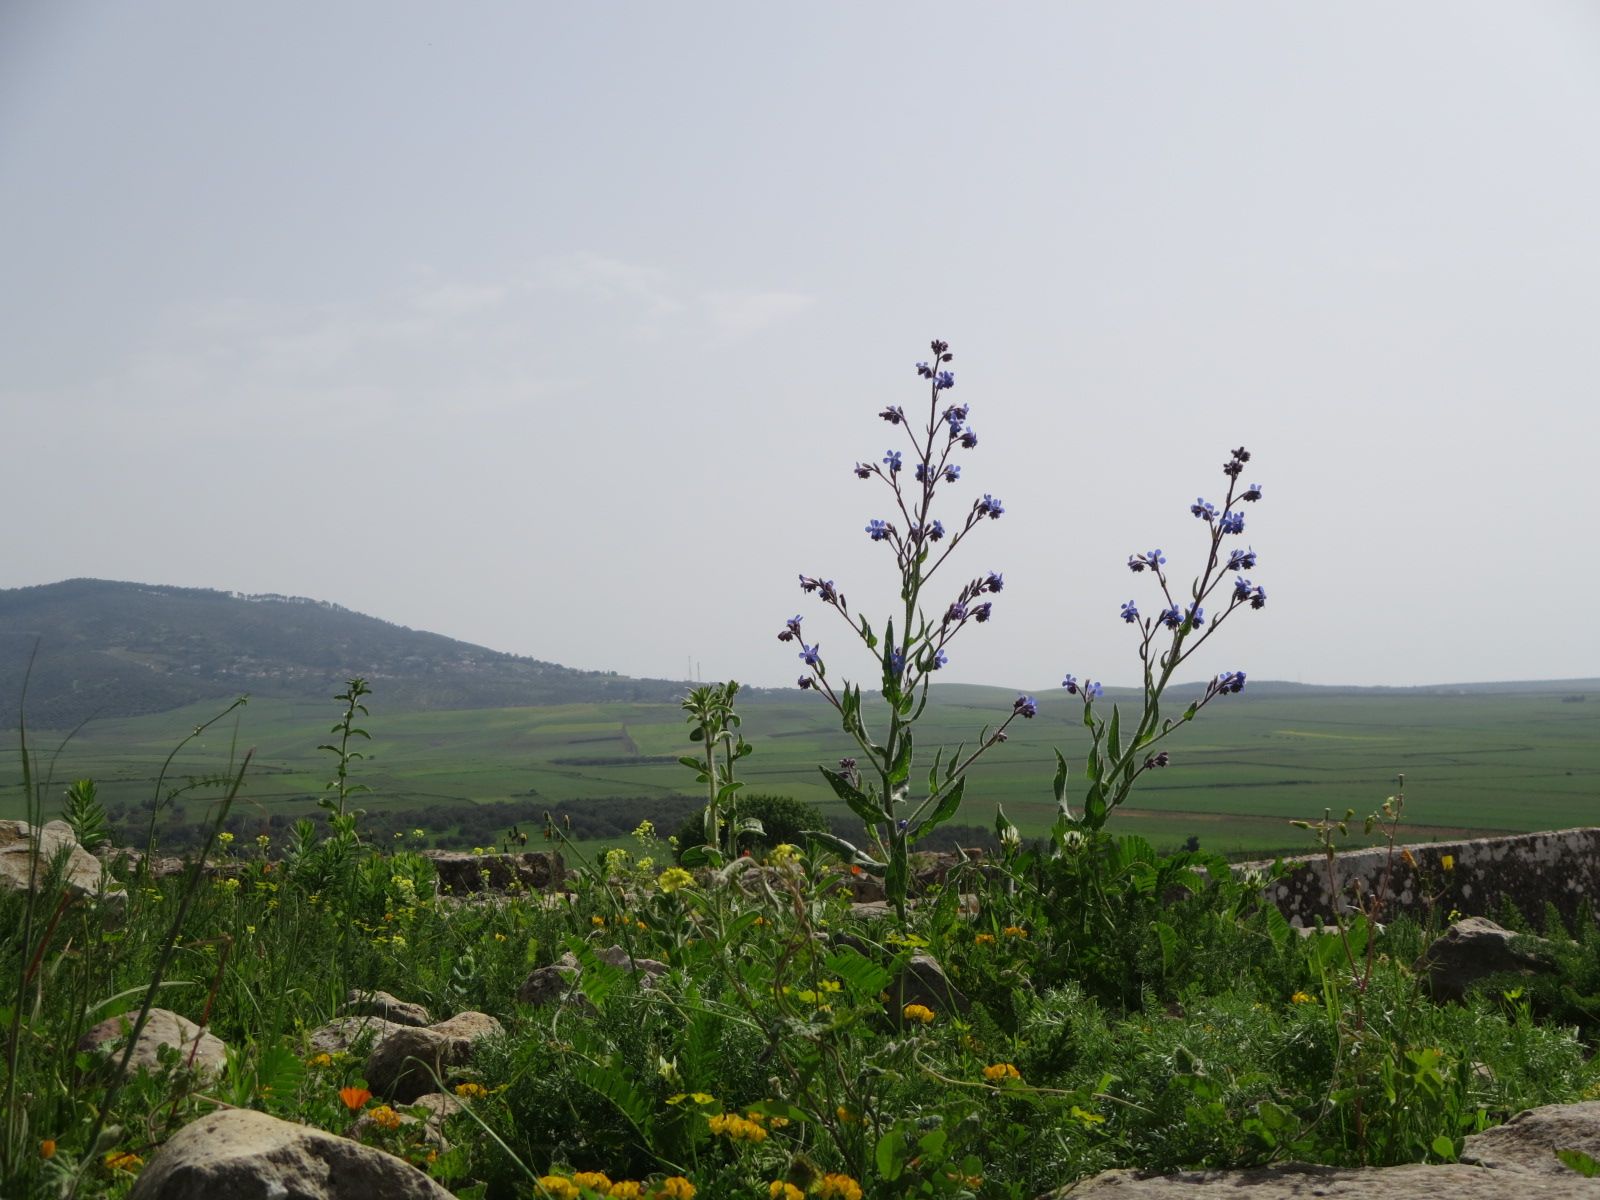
x=559 y=327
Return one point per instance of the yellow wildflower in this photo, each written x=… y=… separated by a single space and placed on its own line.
x=918 y=1012
x=471 y=1091
x=779 y=1190
x=838 y=1187
x=559 y=1187
x=736 y=1128
x=224 y=839
x=676 y=1187
x=995 y=1072
x=1088 y=1118
x=846 y=1117
x=983 y=939
x=699 y=1098
x=598 y=922
x=595 y=1181
x=674 y=878
x=230 y=884
x=1302 y=998
x=1015 y=931
x=263 y=840
x=1448 y=862
x=644 y=830
x=320 y=1060
x=627 y=1189
x=385 y=1116
x=123 y=1160
x=499 y=937
x=1407 y=857
x=781 y=855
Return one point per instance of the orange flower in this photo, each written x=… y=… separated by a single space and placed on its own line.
x=354 y=1097
x=47 y=1148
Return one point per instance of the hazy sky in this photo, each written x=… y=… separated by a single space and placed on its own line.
x=559 y=327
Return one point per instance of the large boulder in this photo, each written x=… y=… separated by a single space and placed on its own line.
x=1529 y=1141
x=238 y=1154
x=923 y=981
x=343 y=1034
x=82 y=875
x=411 y=1061
x=204 y=1051
x=1475 y=949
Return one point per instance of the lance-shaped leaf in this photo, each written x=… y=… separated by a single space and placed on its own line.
x=845 y=850
x=946 y=808
x=860 y=803
x=1061 y=780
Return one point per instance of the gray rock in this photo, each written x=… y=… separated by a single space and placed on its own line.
x=461 y=873
x=207 y=1052
x=1474 y=949
x=381 y=1004
x=440 y=1108
x=342 y=1034
x=242 y=1155
x=83 y=876
x=1516 y=1159
x=407 y=1062
x=924 y=982
x=1296 y=1181
x=552 y=984
x=1529 y=1140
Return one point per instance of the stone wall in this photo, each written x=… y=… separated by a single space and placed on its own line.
x=1473 y=878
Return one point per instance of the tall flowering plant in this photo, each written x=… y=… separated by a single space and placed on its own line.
x=1166 y=640
x=877 y=786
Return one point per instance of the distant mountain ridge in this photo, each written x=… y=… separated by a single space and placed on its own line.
x=110 y=649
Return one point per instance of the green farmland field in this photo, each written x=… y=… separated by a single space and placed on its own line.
x=1478 y=761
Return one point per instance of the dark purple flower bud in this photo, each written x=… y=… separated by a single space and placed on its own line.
x=944 y=380
x=878 y=530
x=956 y=612
x=1254 y=492
x=938 y=347
x=1259 y=600
x=1026 y=706
x=989 y=507
x=922 y=472
x=1157 y=760
x=1230 y=682
x=902 y=824
x=952 y=473
x=863 y=471
x=1241 y=588
x=826 y=591
x=794 y=625
x=969 y=437
x=811 y=655
x=1242 y=455
x=807 y=584
x=892 y=461
x=785 y=636
x=955 y=414
x=924 y=370
x=1240 y=560
x=1130 y=612
x=846 y=765
x=1135 y=563
x=993 y=582
x=1171 y=617
x=980 y=613
x=935 y=531
x=894 y=414
x=1205 y=511
x=1071 y=684
x=1196 y=615
x=1232 y=522
x=1232 y=469
x=807 y=682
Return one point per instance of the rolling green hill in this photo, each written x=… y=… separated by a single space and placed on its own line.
x=109 y=649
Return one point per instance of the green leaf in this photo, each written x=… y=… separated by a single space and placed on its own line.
x=900 y=771
x=1114 y=733
x=896 y=875
x=1278 y=927
x=697 y=856
x=1168 y=937
x=1094 y=808
x=846 y=851
x=694 y=764
x=1061 y=778
x=891 y=1153
x=1584 y=1164
x=1445 y=1148
x=1088 y=716
x=948 y=804
x=860 y=803
x=597 y=980
x=933 y=771
x=865 y=978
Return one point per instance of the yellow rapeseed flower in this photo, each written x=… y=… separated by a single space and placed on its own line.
x=736 y=1128
x=627 y=1189
x=995 y=1072
x=471 y=1091
x=781 y=855
x=838 y=1187
x=674 y=878
x=676 y=1187
x=385 y=1116
x=918 y=1012
x=224 y=839
x=778 y=1189
x=1448 y=862
x=595 y=1181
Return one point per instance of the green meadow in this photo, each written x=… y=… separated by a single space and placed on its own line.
x=1476 y=763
